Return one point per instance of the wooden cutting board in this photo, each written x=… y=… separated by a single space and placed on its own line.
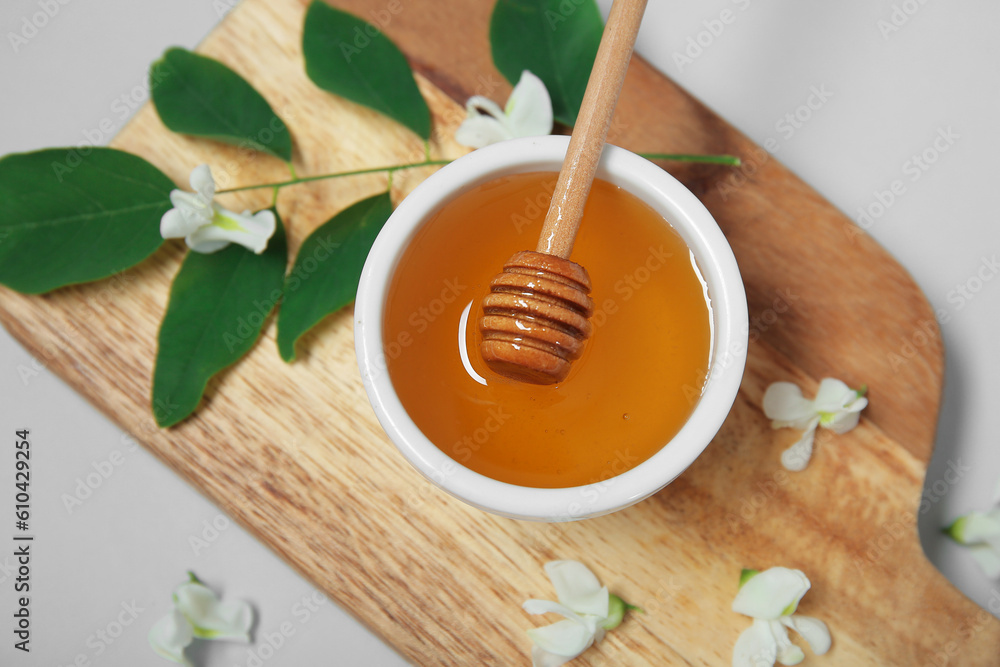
x=294 y=453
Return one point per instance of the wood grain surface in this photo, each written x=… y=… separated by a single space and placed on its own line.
x=293 y=452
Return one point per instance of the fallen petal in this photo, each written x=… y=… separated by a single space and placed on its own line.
x=988 y=558
x=209 y=617
x=755 y=646
x=788 y=653
x=537 y=607
x=813 y=630
x=567 y=638
x=833 y=395
x=170 y=636
x=842 y=422
x=784 y=402
x=578 y=588
x=771 y=593
x=542 y=658
x=796 y=457
x=974 y=527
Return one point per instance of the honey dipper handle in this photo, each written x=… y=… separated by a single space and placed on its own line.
x=591 y=129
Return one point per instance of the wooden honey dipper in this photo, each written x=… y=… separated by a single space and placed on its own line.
x=536 y=318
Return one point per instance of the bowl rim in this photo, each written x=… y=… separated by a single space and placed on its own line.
x=715 y=259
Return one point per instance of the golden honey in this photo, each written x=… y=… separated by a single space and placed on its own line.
x=640 y=375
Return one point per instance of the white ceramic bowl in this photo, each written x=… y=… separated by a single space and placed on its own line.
x=728 y=356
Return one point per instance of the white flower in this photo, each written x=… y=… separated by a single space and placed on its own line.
x=208 y=227
x=528 y=114
x=770 y=598
x=980 y=531
x=211 y=618
x=836 y=407
x=198 y=612
x=588 y=610
x=170 y=636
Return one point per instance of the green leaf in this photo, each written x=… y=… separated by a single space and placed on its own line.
x=325 y=276
x=200 y=96
x=556 y=40
x=350 y=57
x=72 y=215
x=218 y=306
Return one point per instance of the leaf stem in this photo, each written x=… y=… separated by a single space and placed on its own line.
x=730 y=160
x=339 y=174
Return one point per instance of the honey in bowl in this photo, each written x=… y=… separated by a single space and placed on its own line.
x=640 y=374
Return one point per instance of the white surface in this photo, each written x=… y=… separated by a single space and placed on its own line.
x=887 y=98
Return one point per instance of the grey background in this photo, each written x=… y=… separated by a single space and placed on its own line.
x=894 y=76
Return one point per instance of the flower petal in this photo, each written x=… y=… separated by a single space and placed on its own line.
x=771 y=593
x=478 y=106
x=170 y=636
x=209 y=617
x=974 y=528
x=174 y=225
x=200 y=245
x=251 y=232
x=578 y=588
x=567 y=638
x=813 y=630
x=755 y=647
x=192 y=205
x=202 y=182
x=189 y=213
x=797 y=456
x=788 y=653
x=529 y=107
x=480 y=131
x=542 y=658
x=988 y=558
x=537 y=607
x=783 y=402
x=842 y=422
x=833 y=395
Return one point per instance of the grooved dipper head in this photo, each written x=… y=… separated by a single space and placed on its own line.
x=536 y=318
